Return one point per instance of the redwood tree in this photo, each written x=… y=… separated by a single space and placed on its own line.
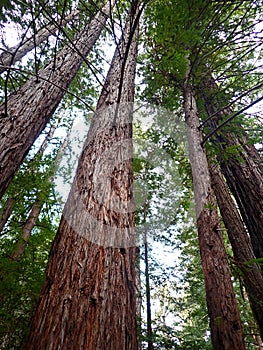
x=88 y=300
x=243 y=169
x=225 y=323
x=241 y=244
x=26 y=112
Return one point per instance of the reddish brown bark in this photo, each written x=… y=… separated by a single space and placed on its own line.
x=89 y=298
x=31 y=107
x=225 y=323
x=241 y=245
x=243 y=170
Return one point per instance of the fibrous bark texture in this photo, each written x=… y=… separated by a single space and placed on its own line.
x=31 y=107
x=88 y=300
x=241 y=245
x=225 y=323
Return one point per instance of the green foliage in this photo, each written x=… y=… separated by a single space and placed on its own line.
x=19 y=289
x=22 y=279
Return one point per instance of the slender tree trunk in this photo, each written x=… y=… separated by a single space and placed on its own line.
x=241 y=245
x=243 y=171
x=33 y=216
x=89 y=298
x=6 y=213
x=49 y=137
x=147 y=287
x=16 y=53
x=26 y=231
x=10 y=203
x=25 y=113
x=225 y=323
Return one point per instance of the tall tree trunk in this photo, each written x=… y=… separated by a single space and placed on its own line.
x=35 y=211
x=6 y=212
x=225 y=323
x=241 y=245
x=25 y=113
x=10 y=203
x=49 y=137
x=89 y=298
x=16 y=53
x=243 y=171
x=26 y=231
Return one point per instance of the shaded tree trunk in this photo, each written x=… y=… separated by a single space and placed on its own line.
x=25 y=113
x=16 y=53
x=89 y=298
x=30 y=223
x=49 y=137
x=241 y=245
x=35 y=211
x=225 y=323
x=6 y=212
x=243 y=170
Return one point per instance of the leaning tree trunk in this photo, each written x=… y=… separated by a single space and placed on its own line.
x=241 y=245
x=6 y=212
x=11 y=201
x=88 y=300
x=35 y=211
x=225 y=323
x=243 y=170
x=26 y=112
x=30 y=223
x=16 y=53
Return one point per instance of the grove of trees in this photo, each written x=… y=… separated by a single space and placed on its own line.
x=159 y=244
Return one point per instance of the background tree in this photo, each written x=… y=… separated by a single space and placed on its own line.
x=22 y=125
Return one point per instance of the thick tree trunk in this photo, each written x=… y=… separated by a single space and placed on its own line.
x=225 y=323
x=6 y=212
x=32 y=106
x=89 y=298
x=243 y=170
x=241 y=245
x=14 y=54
